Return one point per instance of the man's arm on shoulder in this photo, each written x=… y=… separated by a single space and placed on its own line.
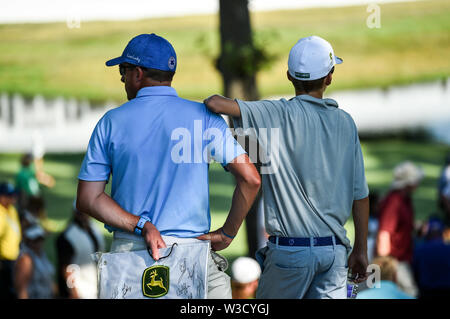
x=248 y=183
x=223 y=105
x=92 y=200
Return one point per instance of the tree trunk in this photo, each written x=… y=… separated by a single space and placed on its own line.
x=239 y=81
x=236 y=37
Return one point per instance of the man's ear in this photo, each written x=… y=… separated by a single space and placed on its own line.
x=139 y=76
x=289 y=76
x=328 y=79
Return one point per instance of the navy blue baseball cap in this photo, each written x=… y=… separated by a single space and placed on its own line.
x=149 y=51
x=7 y=189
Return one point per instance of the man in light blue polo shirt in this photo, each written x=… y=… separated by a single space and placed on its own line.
x=313 y=179
x=157 y=147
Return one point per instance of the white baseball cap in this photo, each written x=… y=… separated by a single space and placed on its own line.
x=311 y=58
x=406 y=174
x=245 y=270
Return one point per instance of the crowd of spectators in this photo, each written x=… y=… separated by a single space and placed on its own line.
x=413 y=257
x=25 y=269
x=417 y=252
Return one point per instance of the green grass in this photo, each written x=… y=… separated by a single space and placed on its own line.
x=412 y=45
x=380 y=158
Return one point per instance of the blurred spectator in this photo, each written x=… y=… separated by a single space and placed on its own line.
x=396 y=223
x=33 y=213
x=444 y=197
x=33 y=272
x=10 y=236
x=26 y=181
x=444 y=179
x=245 y=273
x=373 y=225
x=29 y=178
x=77 y=271
x=432 y=263
x=38 y=152
x=388 y=282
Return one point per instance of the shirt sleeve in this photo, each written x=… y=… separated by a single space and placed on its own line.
x=360 y=187
x=221 y=145
x=96 y=165
x=256 y=114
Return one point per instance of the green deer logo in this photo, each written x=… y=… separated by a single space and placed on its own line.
x=155 y=281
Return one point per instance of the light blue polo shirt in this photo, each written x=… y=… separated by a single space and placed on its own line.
x=157 y=147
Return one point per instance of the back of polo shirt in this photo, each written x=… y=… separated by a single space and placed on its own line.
x=157 y=148
x=316 y=167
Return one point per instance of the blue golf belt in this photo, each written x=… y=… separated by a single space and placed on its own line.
x=305 y=241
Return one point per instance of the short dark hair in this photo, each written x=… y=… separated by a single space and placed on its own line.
x=308 y=86
x=158 y=75
x=26 y=159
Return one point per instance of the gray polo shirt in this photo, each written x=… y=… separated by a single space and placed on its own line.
x=314 y=166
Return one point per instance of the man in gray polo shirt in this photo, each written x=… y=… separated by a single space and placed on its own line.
x=314 y=179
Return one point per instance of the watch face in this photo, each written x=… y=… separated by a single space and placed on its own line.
x=141 y=222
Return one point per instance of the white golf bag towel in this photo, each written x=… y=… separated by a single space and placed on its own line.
x=181 y=273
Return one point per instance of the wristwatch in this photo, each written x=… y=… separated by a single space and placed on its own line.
x=140 y=225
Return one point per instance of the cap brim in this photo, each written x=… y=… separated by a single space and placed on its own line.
x=338 y=60
x=115 y=61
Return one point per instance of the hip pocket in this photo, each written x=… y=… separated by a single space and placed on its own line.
x=280 y=282
x=260 y=256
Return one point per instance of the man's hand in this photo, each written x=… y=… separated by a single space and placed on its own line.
x=153 y=238
x=357 y=262
x=223 y=105
x=218 y=240
x=248 y=183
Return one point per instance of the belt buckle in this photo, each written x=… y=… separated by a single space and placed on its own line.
x=291 y=242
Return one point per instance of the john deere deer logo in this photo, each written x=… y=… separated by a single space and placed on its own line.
x=155 y=281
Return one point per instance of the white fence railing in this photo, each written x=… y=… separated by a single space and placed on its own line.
x=65 y=125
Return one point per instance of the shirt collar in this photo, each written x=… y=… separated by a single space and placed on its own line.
x=321 y=102
x=157 y=90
